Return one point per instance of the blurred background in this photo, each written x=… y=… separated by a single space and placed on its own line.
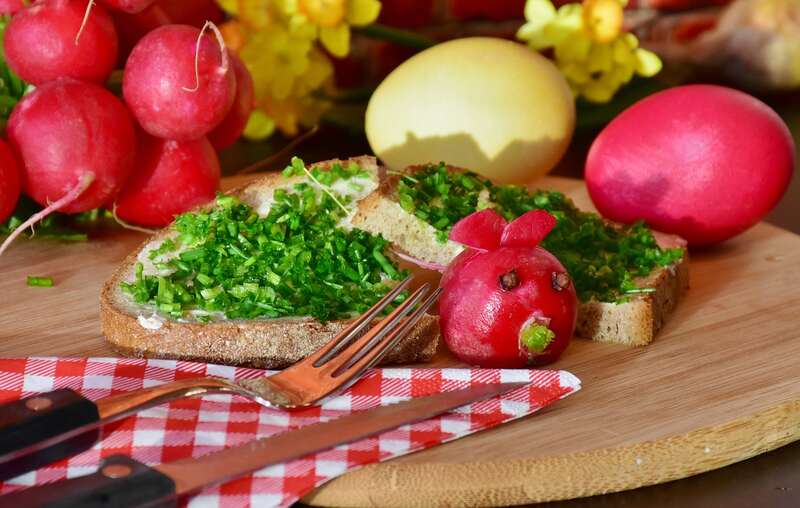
x=316 y=65
x=753 y=45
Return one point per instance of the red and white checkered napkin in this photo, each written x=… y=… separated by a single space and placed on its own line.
x=194 y=427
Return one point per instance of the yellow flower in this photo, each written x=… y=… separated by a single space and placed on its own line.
x=277 y=59
x=330 y=20
x=256 y=14
x=602 y=19
x=277 y=41
x=589 y=47
x=259 y=125
x=293 y=106
x=289 y=115
x=287 y=67
x=235 y=35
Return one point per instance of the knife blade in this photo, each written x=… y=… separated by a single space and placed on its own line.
x=123 y=482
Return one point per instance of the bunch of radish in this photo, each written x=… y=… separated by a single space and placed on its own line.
x=74 y=146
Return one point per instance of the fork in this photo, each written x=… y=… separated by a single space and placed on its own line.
x=39 y=423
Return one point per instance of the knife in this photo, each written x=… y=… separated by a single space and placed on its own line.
x=123 y=482
x=46 y=427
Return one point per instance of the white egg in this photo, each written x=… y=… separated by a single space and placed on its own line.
x=490 y=105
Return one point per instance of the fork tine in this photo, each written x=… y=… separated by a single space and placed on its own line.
x=333 y=346
x=375 y=333
x=387 y=343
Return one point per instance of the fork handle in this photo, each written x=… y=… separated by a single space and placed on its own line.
x=37 y=419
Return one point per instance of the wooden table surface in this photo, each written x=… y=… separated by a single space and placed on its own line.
x=720 y=384
x=771 y=479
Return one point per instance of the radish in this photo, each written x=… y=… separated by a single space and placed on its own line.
x=132 y=27
x=703 y=162
x=232 y=126
x=132 y=6
x=61 y=38
x=512 y=305
x=528 y=229
x=76 y=143
x=11 y=6
x=171 y=177
x=9 y=182
x=178 y=83
x=480 y=230
x=193 y=12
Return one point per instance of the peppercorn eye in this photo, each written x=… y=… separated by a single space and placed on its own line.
x=509 y=280
x=560 y=281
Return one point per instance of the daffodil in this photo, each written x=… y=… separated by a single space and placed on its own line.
x=588 y=44
x=256 y=14
x=293 y=106
x=289 y=115
x=287 y=67
x=278 y=61
x=330 y=20
x=259 y=125
x=235 y=35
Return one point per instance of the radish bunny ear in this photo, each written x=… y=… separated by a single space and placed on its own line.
x=528 y=229
x=480 y=230
x=487 y=230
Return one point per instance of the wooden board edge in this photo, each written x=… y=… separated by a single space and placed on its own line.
x=600 y=471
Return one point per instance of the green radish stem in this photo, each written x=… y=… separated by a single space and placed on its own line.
x=86 y=180
x=396 y=36
x=221 y=41
x=280 y=154
x=128 y=225
x=89 y=6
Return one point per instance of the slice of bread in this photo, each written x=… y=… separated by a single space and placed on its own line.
x=136 y=330
x=635 y=322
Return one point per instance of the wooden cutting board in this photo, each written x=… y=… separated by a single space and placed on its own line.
x=720 y=384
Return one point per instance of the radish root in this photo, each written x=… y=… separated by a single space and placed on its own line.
x=429 y=265
x=223 y=50
x=326 y=190
x=83 y=23
x=128 y=225
x=73 y=194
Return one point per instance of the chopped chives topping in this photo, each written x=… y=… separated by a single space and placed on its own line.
x=56 y=226
x=602 y=260
x=44 y=282
x=634 y=291
x=296 y=261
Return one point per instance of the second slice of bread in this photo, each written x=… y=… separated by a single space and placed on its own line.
x=634 y=322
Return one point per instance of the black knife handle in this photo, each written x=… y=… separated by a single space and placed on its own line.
x=120 y=482
x=42 y=457
x=29 y=421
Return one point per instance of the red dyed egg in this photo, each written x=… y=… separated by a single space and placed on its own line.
x=703 y=162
